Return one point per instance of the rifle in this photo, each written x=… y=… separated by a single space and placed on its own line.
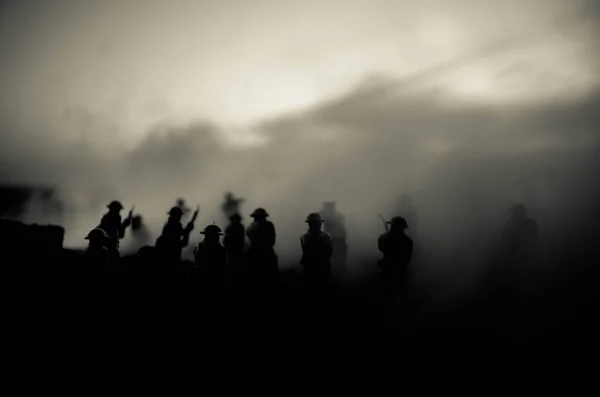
x=385 y=224
x=129 y=217
x=190 y=225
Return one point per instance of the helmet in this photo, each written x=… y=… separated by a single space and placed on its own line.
x=175 y=211
x=259 y=212
x=212 y=229
x=398 y=221
x=235 y=217
x=518 y=208
x=115 y=205
x=314 y=217
x=96 y=234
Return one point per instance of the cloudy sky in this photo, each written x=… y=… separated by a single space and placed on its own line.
x=284 y=97
x=133 y=63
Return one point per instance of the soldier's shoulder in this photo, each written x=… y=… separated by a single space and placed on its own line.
x=325 y=235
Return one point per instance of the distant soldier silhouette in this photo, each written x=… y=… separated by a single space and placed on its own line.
x=181 y=204
x=317 y=250
x=210 y=255
x=334 y=225
x=235 y=238
x=520 y=234
x=97 y=253
x=174 y=237
x=231 y=205
x=261 y=255
x=139 y=231
x=113 y=226
x=397 y=250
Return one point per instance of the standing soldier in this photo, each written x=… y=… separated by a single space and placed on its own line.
x=174 y=237
x=317 y=249
x=520 y=233
x=231 y=205
x=519 y=237
x=112 y=225
x=334 y=224
x=97 y=254
x=397 y=249
x=180 y=202
x=262 y=236
x=139 y=231
x=235 y=237
x=210 y=255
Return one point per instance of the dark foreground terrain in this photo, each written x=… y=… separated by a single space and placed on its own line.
x=61 y=295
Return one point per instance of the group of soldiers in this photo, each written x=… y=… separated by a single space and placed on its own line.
x=323 y=244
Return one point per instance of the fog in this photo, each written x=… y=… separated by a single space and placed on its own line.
x=465 y=156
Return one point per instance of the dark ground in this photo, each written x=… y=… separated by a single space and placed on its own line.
x=64 y=298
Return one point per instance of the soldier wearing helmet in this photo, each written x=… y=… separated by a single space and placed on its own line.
x=97 y=252
x=113 y=225
x=262 y=236
x=397 y=250
x=210 y=255
x=317 y=248
x=174 y=236
x=261 y=232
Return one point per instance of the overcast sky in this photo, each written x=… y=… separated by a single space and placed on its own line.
x=334 y=90
x=127 y=64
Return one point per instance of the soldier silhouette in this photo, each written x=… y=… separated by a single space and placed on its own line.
x=210 y=255
x=180 y=202
x=139 y=231
x=317 y=250
x=97 y=253
x=520 y=233
x=112 y=225
x=261 y=255
x=519 y=242
x=235 y=238
x=174 y=238
x=397 y=250
x=231 y=205
x=334 y=225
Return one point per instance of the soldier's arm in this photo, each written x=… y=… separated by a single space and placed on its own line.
x=185 y=240
x=122 y=230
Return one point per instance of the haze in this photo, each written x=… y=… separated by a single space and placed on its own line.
x=466 y=105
